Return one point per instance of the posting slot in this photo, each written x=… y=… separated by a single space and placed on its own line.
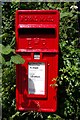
x=37 y=32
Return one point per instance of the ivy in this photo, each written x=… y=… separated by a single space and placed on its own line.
x=7 y=50
x=17 y=59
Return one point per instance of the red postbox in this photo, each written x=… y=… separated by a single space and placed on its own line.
x=37 y=33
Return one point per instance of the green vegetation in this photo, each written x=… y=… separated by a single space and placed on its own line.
x=69 y=62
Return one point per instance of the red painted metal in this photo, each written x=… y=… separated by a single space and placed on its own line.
x=37 y=31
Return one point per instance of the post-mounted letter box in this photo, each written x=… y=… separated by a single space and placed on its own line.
x=37 y=42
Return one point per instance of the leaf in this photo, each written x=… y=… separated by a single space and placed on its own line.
x=2 y=60
x=16 y=114
x=6 y=50
x=15 y=0
x=65 y=14
x=13 y=41
x=1 y=48
x=3 y=35
x=17 y=59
